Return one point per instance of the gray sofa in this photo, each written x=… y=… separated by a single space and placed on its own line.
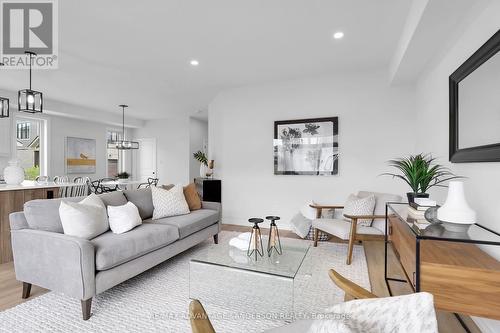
x=80 y=268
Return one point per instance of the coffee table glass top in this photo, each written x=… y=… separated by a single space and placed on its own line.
x=286 y=264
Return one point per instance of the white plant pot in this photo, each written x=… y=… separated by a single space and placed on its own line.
x=456 y=214
x=13 y=174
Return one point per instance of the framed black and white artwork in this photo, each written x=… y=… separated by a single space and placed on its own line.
x=306 y=147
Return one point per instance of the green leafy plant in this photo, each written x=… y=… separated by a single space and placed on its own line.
x=420 y=172
x=123 y=175
x=201 y=157
x=32 y=173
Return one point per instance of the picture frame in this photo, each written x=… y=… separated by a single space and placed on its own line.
x=80 y=155
x=306 y=147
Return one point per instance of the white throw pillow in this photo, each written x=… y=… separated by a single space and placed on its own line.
x=169 y=202
x=123 y=218
x=360 y=206
x=85 y=219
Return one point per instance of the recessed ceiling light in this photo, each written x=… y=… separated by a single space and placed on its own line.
x=194 y=62
x=338 y=35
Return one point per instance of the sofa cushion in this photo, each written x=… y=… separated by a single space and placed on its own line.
x=190 y=223
x=143 y=200
x=114 y=249
x=43 y=214
x=342 y=228
x=115 y=198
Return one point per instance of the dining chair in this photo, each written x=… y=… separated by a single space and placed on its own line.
x=150 y=182
x=105 y=188
x=63 y=190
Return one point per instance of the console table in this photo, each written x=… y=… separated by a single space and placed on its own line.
x=457 y=268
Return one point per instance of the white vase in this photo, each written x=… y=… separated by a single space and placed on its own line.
x=203 y=170
x=456 y=214
x=13 y=173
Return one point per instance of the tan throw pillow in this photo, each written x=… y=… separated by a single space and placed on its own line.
x=191 y=195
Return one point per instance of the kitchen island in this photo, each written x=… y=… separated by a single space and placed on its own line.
x=12 y=199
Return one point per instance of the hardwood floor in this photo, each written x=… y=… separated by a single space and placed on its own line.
x=11 y=289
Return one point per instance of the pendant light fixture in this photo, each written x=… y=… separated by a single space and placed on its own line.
x=29 y=100
x=125 y=144
x=4 y=104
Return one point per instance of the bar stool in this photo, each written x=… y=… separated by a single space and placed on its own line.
x=273 y=241
x=255 y=246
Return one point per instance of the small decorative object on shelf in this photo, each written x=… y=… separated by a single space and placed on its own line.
x=455 y=214
x=420 y=173
x=13 y=173
x=210 y=169
x=273 y=241
x=255 y=245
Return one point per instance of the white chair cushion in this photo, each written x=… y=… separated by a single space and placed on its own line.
x=123 y=218
x=360 y=206
x=169 y=202
x=85 y=219
x=380 y=200
x=342 y=228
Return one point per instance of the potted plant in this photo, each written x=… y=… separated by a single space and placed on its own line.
x=420 y=173
x=123 y=176
x=202 y=158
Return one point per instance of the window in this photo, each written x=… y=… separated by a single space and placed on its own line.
x=114 y=156
x=28 y=145
x=23 y=130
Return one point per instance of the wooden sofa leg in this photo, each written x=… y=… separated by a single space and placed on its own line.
x=315 y=237
x=86 y=307
x=216 y=238
x=26 y=290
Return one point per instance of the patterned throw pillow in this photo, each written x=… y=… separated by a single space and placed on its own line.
x=360 y=206
x=169 y=202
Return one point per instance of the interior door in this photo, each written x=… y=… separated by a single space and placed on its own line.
x=146 y=163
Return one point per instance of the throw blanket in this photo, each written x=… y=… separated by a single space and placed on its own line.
x=412 y=313
x=300 y=225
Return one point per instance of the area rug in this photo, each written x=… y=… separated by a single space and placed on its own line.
x=158 y=300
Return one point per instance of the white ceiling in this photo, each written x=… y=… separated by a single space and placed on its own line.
x=138 y=52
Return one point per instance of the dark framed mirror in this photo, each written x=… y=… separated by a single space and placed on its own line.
x=475 y=106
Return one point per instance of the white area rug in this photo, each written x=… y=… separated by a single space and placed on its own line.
x=158 y=300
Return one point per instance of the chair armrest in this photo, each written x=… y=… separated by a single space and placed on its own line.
x=55 y=261
x=326 y=207
x=319 y=208
x=349 y=287
x=358 y=217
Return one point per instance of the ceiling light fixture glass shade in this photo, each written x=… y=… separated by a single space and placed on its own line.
x=125 y=144
x=4 y=104
x=29 y=100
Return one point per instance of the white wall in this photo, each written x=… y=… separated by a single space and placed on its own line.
x=172 y=142
x=198 y=139
x=483 y=183
x=375 y=124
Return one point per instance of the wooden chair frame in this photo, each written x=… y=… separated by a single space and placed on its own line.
x=353 y=236
x=350 y=288
x=200 y=323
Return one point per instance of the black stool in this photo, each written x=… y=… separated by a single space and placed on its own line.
x=273 y=241
x=255 y=239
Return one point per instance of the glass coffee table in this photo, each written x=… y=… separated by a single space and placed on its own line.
x=225 y=276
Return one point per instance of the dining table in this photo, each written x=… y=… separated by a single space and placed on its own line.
x=123 y=184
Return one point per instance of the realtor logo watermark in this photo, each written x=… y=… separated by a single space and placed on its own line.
x=29 y=25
